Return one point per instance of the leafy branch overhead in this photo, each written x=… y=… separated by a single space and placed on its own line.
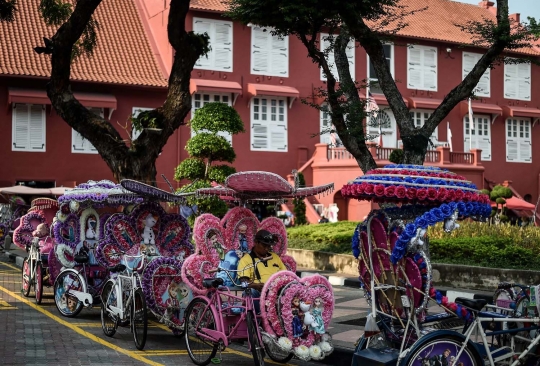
x=7 y=10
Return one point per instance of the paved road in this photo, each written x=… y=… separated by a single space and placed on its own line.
x=37 y=335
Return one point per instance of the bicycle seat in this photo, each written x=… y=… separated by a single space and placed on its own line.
x=81 y=258
x=118 y=268
x=212 y=282
x=474 y=304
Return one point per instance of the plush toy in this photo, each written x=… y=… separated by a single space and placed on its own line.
x=41 y=231
x=308 y=318
x=90 y=228
x=149 y=237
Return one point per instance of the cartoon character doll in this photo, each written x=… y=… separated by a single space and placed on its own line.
x=316 y=311
x=170 y=300
x=149 y=237
x=297 y=324
x=242 y=240
x=91 y=228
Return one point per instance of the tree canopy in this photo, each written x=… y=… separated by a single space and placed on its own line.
x=371 y=23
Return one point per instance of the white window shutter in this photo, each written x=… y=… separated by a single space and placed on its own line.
x=350 y=51
x=525 y=150
x=511 y=81
x=20 y=127
x=324 y=125
x=280 y=56
x=278 y=137
x=512 y=142
x=466 y=144
x=260 y=51
x=222 y=46
x=430 y=68
x=37 y=128
x=483 y=86
x=77 y=141
x=414 y=68
x=484 y=143
x=326 y=46
x=203 y=26
x=260 y=136
x=524 y=81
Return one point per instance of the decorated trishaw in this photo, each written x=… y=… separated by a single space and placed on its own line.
x=146 y=232
x=79 y=227
x=294 y=312
x=396 y=274
x=33 y=235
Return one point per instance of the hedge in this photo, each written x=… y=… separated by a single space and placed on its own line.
x=478 y=244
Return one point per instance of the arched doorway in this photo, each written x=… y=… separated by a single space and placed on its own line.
x=341 y=202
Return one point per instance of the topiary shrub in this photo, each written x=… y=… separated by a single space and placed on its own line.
x=396 y=156
x=299 y=205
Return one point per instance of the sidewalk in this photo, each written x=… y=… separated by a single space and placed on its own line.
x=350 y=309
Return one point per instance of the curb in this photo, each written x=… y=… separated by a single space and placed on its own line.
x=13 y=257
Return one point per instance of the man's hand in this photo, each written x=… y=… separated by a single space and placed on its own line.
x=256 y=286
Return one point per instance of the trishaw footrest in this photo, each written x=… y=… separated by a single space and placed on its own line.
x=377 y=357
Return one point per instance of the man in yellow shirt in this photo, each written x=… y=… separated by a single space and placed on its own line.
x=260 y=273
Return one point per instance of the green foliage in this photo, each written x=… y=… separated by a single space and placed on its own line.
x=500 y=201
x=218 y=173
x=7 y=10
x=396 y=156
x=191 y=168
x=331 y=237
x=485 y=191
x=145 y=119
x=211 y=205
x=215 y=117
x=209 y=146
x=299 y=204
x=500 y=192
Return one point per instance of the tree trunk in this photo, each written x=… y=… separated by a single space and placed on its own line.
x=138 y=160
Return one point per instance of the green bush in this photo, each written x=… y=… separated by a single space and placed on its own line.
x=330 y=237
x=396 y=156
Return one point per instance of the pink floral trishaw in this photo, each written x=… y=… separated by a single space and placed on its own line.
x=164 y=238
x=295 y=312
x=33 y=235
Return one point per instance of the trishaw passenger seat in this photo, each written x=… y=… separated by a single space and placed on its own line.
x=118 y=268
x=81 y=258
x=212 y=282
x=474 y=304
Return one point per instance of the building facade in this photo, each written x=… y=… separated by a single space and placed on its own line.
x=266 y=78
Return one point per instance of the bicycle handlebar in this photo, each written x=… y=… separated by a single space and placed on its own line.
x=219 y=269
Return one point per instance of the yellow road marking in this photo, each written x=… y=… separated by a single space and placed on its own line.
x=11 y=266
x=5 y=306
x=81 y=331
x=97 y=325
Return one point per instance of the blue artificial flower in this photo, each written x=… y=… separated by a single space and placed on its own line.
x=439 y=215
x=452 y=206
x=430 y=218
x=420 y=181
x=446 y=210
x=469 y=208
x=409 y=179
x=461 y=208
x=421 y=222
x=410 y=230
x=404 y=237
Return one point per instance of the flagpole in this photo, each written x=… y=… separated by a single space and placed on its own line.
x=471 y=125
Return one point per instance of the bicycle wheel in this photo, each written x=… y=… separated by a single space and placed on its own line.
x=38 y=286
x=108 y=321
x=26 y=277
x=257 y=349
x=201 y=351
x=68 y=305
x=440 y=350
x=139 y=320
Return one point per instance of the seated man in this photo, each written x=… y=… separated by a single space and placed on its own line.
x=260 y=273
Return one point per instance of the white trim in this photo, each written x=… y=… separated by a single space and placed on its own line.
x=487 y=74
x=420 y=66
x=263 y=112
x=25 y=130
x=211 y=62
x=476 y=143
x=270 y=62
x=519 y=140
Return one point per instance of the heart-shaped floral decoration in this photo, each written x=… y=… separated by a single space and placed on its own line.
x=296 y=313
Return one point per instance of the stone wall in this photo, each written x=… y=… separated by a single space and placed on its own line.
x=444 y=275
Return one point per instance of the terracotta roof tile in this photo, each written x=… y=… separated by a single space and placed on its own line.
x=123 y=54
x=209 y=5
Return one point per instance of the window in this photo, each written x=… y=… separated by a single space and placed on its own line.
x=80 y=145
x=374 y=86
x=469 y=61
x=517 y=81
x=385 y=119
x=325 y=126
x=327 y=42
x=200 y=99
x=419 y=118
x=422 y=68
x=269 y=124
x=480 y=135
x=219 y=58
x=28 y=127
x=135 y=112
x=269 y=54
x=518 y=140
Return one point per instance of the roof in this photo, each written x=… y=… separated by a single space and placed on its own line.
x=437 y=22
x=126 y=59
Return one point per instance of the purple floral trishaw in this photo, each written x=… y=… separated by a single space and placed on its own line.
x=295 y=312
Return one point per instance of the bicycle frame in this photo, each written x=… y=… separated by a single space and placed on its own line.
x=120 y=281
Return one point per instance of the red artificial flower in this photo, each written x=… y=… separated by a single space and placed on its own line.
x=359 y=188
x=411 y=193
x=368 y=189
x=379 y=190
x=459 y=194
x=450 y=195
x=389 y=191
x=431 y=194
x=441 y=194
x=401 y=192
x=421 y=194
x=467 y=197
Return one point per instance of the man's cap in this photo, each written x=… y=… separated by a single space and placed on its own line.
x=266 y=237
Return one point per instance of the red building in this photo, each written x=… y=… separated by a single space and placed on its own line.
x=264 y=78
